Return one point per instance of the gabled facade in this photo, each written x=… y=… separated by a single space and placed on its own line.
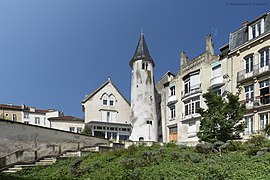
x=107 y=112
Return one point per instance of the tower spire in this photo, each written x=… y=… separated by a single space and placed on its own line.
x=142 y=51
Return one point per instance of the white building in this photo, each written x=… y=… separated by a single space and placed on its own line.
x=107 y=112
x=67 y=123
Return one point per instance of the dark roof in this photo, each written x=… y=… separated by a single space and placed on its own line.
x=7 y=106
x=65 y=118
x=141 y=52
x=101 y=87
x=240 y=36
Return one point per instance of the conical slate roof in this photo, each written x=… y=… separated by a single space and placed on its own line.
x=141 y=52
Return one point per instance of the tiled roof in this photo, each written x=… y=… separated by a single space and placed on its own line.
x=24 y=109
x=65 y=118
x=7 y=106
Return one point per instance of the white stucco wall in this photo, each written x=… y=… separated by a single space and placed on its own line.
x=143 y=106
x=93 y=107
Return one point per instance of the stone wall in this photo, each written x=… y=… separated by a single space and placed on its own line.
x=24 y=143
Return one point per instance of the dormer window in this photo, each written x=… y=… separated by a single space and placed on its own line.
x=256 y=29
x=144 y=65
x=105 y=100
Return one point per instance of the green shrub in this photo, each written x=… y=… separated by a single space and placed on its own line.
x=74 y=165
x=175 y=155
x=204 y=148
x=257 y=140
x=196 y=159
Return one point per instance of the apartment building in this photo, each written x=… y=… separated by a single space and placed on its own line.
x=67 y=123
x=247 y=66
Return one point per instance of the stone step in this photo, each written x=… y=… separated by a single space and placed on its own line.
x=49 y=159
x=9 y=171
x=44 y=163
x=15 y=168
x=46 y=160
x=24 y=165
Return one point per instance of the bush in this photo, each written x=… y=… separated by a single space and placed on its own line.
x=257 y=140
x=204 y=148
x=196 y=159
x=74 y=165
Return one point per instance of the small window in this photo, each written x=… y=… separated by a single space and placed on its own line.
x=26 y=115
x=144 y=65
x=79 y=130
x=37 y=120
x=112 y=100
x=141 y=139
x=149 y=122
x=172 y=91
x=172 y=109
x=72 y=129
x=104 y=99
x=26 y=122
x=14 y=117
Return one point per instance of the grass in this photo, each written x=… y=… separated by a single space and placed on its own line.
x=168 y=162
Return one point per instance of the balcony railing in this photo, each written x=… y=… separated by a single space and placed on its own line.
x=256 y=70
x=216 y=81
x=258 y=101
x=193 y=90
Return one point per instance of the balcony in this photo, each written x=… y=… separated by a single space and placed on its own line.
x=172 y=100
x=216 y=82
x=193 y=90
x=259 y=101
x=257 y=70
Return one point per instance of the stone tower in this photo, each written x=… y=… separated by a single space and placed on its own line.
x=143 y=106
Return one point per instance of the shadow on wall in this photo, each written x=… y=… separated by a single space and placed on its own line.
x=25 y=143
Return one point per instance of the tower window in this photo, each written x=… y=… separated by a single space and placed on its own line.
x=105 y=100
x=144 y=65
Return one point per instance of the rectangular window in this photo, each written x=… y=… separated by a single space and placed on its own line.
x=172 y=91
x=111 y=102
x=263 y=120
x=37 y=120
x=253 y=28
x=258 y=28
x=26 y=122
x=192 y=107
x=249 y=125
x=264 y=58
x=72 y=129
x=26 y=115
x=108 y=117
x=187 y=85
x=172 y=109
x=79 y=130
x=173 y=130
x=14 y=117
x=249 y=92
x=249 y=64
x=104 y=102
x=149 y=122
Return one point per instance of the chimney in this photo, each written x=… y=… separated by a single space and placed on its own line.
x=183 y=59
x=209 y=44
x=245 y=23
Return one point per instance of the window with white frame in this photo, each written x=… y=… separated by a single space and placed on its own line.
x=104 y=100
x=112 y=100
x=255 y=30
x=187 y=85
x=249 y=125
x=37 y=120
x=172 y=91
x=249 y=64
x=216 y=71
x=108 y=116
x=192 y=129
x=263 y=120
x=264 y=87
x=26 y=115
x=192 y=107
x=172 y=112
x=264 y=58
x=79 y=130
x=249 y=92
x=72 y=129
x=14 y=117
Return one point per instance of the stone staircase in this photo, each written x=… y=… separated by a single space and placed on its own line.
x=47 y=161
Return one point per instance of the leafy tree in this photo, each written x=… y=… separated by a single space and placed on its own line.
x=222 y=120
x=87 y=131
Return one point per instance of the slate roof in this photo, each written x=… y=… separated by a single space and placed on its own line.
x=101 y=87
x=240 y=36
x=141 y=52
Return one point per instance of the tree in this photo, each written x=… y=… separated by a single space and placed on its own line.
x=222 y=120
x=87 y=130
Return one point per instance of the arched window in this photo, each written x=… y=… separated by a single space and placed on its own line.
x=111 y=100
x=104 y=99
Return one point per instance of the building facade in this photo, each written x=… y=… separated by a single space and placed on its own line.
x=67 y=123
x=107 y=112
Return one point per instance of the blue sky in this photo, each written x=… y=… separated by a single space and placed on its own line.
x=53 y=52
